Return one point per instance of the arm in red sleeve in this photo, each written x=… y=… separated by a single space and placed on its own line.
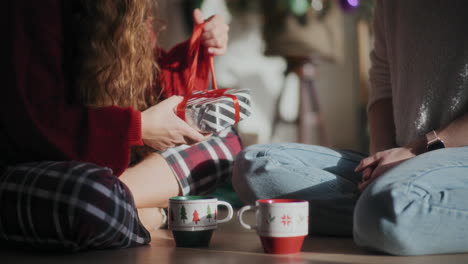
x=175 y=69
x=37 y=122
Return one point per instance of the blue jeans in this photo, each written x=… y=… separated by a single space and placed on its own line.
x=418 y=207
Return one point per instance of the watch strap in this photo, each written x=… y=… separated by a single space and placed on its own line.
x=432 y=137
x=434 y=141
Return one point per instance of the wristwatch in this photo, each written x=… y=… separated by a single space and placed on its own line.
x=434 y=141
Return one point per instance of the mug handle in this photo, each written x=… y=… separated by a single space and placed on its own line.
x=230 y=212
x=241 y=212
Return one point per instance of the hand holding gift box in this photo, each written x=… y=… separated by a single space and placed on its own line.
x=211 y=110
x=215 y=110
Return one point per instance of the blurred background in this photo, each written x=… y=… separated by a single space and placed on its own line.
x=305 y=62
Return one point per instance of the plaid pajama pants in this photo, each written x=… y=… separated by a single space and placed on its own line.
x=201 y=167
x=74 y=206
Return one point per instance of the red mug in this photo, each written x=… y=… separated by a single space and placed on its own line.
x=282 y=224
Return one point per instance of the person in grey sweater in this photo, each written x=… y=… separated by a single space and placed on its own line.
x=413 y=185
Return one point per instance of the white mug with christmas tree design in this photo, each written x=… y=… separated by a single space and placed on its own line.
x=193 y=219
x=282 y=224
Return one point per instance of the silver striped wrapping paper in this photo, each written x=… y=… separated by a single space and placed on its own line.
x=215 y=114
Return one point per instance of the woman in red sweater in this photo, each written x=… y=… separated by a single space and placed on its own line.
x=88 y=130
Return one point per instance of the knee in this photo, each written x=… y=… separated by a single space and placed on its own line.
x=384 y=220
x=255 y=170
x=270 y=171
x=244 y=171
x=74 y=206
x=101 y=211
x=92 y=189
x=274 y=170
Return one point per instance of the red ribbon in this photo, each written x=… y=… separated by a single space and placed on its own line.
x=194 y=48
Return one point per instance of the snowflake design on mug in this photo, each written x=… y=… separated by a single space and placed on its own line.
x=286 y=220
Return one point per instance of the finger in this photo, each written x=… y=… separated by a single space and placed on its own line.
x=358 y=167
x=197 y=16
x=369 y=161
x=181 y=141
x=220 y=31
x=216 y=47
x=194 y=137
x=161 y=145
x=192 y=142
x=362 y=186
x=213 y=22
x=366 y=173
x=216 y=42
x=217 y=51
x=207 y=136
x=190 y=133
x=375 y=173
x=379 y=170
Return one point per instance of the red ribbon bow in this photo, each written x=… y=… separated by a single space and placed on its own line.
x=194 y=48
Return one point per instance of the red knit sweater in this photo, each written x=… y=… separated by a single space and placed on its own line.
x=36 y=122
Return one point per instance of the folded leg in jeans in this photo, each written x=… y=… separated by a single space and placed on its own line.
x=322 y=176
x=400 y=213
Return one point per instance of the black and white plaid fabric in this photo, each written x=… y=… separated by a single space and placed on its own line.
x=202 y=167
x=76 y=206
x=216 y=114
x=68 y=206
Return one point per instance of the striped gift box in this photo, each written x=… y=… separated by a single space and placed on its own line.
x=213 y=114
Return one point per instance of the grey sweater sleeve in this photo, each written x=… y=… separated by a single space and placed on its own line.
x=379 y=73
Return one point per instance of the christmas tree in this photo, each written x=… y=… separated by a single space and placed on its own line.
x=195 y=219
x=208 y=214
x=183 y=214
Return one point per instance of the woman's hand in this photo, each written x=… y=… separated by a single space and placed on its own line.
x=377 y=164
x=163 y=129
x=215 y=32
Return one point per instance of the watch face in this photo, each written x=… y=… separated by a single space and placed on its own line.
x=436 y=145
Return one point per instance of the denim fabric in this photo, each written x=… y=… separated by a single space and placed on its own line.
x=418 y=207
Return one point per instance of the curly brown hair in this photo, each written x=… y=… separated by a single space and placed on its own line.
x=114 y=53
x=111 y=55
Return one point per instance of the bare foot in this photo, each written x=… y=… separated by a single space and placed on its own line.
x=151 y=218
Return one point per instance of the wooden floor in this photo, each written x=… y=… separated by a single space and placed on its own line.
x=230 y=244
